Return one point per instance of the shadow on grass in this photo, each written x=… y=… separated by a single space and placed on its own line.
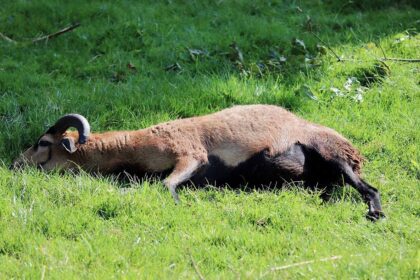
x=328 y=194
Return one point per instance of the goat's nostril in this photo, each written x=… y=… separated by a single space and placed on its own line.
x=15 y=165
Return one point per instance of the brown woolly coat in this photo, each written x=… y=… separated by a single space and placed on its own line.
x=233 y=135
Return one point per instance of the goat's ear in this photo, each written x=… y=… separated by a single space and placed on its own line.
x=68 y=144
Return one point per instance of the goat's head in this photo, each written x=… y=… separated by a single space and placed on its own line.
x=55 y=147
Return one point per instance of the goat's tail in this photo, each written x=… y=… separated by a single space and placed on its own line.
x=333 y=146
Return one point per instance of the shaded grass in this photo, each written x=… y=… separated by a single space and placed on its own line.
x=80 y=226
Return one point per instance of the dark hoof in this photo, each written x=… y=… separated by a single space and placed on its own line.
x=375 y=215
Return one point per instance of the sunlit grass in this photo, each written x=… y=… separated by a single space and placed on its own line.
x=77 y=225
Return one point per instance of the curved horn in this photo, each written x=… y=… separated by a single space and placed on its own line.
x=72 y=120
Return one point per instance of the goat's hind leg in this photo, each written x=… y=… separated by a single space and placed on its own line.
x=369 y=194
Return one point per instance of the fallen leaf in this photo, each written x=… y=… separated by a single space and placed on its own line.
x=131 y=66
x=321 y=49
x=336 y=91
x=173 y=67
x=306 y=91
x=195 y=53
x=236 y=54
x=298 y=46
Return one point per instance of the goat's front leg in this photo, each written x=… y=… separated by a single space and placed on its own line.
x=184 y=169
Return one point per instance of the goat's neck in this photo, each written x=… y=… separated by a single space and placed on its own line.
x=104 y=151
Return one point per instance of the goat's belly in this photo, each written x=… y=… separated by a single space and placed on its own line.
x=259 y=169
x=230 y=154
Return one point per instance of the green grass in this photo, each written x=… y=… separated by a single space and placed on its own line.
x=73 y=226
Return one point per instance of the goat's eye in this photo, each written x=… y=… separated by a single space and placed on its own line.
x=43 y=143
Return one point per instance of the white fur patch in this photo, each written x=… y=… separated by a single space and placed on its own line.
x=231 y=154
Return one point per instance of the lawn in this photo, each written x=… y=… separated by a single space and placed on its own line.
x=131 y=64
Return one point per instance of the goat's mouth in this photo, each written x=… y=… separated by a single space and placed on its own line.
x=20 y=164
x=40 y=166
x=17 y=165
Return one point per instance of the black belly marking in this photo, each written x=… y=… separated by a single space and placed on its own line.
x=261 y=169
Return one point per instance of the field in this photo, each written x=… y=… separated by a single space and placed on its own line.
x=131 y=64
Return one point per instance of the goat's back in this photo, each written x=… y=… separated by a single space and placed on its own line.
x=235 y=134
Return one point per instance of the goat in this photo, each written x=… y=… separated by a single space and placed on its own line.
x=255 y=144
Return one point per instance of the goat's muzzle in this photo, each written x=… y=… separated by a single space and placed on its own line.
x=16 y=165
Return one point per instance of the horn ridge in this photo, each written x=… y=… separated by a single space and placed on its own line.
x=72 y=120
